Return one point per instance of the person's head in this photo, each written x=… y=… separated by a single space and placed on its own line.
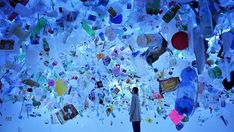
x=135 y=90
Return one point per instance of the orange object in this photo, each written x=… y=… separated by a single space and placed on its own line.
x=100 y=56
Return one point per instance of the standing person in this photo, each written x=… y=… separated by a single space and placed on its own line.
x=135 y=111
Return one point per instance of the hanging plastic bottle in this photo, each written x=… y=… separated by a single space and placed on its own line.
x=186 y=93
x=171 y=13
x=87 y=28
x=199 y=49
x=149 y=40
x=205 y=19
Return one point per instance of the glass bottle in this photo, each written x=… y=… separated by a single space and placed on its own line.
x=87 y=29
x=171 y=13
x=152 y=6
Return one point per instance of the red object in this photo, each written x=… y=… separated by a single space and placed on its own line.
x=160 y=11
x=128 y=80
x=180 y=40
x=175 y=117
x=157 y=96
x=50 y=31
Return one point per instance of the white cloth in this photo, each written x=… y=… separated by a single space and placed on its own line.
x=135 y=110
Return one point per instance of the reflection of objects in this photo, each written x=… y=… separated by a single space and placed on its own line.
x=168 y=85
x=68 y=112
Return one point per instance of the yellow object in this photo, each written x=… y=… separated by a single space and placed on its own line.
x=60 y=87
x=149 y=120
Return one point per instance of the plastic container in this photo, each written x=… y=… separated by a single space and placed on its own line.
x=205 y=18
x=117 y=19
x=188 y=74
x=186 y=94
x=149 y=40
x=199 y=49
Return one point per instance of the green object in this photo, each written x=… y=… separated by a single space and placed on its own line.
x=215 y=72
x=186 y=119
x=30 y=83
x=35 y=102
x=153 y=7
x=42 y=22
x=171 y=13
x=46 y=45
x=87 y=28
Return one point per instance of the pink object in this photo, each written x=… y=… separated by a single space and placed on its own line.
x=51 y=82
x=175 y=117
